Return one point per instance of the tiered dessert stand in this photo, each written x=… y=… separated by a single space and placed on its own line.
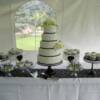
x=92 y=62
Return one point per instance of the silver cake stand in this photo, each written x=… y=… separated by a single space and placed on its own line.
x=92 y=62
x=49 y=71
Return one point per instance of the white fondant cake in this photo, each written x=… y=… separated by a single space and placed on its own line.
x=50 y=60
x=49 y=37
x=48 y=54
x=50 y=29
x=48 y=44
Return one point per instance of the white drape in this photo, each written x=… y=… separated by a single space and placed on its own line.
x=40 y=89
x=81 y=23
x=78 y=20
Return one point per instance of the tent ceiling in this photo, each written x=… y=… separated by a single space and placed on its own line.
x=78 y=20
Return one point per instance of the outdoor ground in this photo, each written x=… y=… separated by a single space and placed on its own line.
x=28 y=43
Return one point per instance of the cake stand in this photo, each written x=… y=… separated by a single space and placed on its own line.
x=71 y=61
x=19 y=57
x=49 y=71
x=92 y=62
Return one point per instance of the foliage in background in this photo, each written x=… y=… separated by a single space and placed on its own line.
x=27 y=18
x=32 y=13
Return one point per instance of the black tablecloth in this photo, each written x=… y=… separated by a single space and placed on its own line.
x=63 y=73
x=59 y=73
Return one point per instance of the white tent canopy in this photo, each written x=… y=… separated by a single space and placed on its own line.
x=78 y=20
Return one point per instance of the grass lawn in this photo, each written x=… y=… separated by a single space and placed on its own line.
x=28 y=43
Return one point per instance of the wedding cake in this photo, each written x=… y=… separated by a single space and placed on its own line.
x=50 y=47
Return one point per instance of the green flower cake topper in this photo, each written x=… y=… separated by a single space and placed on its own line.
x=58 y=45
x=48 y=23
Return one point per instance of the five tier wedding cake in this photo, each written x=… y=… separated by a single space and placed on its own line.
x=50 y=47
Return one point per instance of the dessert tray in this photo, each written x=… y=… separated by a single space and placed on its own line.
x=3 y=57
x=21 y=69
x=24 y=64
x=92 y=61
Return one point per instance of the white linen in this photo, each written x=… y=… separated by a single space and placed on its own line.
x=40 y=89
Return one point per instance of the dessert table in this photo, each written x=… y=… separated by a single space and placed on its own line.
x=14 y=88
x=61 y=87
